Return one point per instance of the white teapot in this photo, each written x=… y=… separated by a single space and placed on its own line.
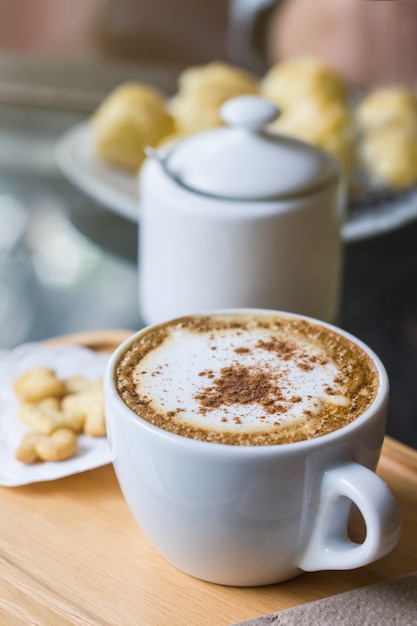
x=237 y=216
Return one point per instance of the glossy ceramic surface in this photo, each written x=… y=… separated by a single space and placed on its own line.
x=200 y=251
x=245 y=515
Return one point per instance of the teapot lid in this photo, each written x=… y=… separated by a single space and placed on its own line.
x=243 y=161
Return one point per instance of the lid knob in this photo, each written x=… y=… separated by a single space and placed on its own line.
x=250 y=112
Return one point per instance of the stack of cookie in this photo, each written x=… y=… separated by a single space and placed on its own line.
x=57 y=411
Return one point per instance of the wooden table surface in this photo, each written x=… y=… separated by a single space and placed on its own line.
x=71 y=553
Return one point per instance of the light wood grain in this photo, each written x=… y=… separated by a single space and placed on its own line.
x=71 y=553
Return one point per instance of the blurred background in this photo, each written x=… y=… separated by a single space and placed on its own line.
x=68 y=263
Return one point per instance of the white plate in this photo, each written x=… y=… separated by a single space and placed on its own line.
x=113 y=188
x=66 y=361
x=118 y=190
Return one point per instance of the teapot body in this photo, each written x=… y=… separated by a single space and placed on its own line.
x=197 y=252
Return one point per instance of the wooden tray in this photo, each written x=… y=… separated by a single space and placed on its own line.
x=71 y=553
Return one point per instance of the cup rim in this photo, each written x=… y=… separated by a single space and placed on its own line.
x=341 y=433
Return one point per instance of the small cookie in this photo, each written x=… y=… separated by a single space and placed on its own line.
x=46 y=416
x=325 y=124
x=59 y=446
x=390 y=157
x=290 y=82
x=388 y=106
x=38 y=384
x=87 y=406
x=202 y=91
x=74 y=384
x=131 y=118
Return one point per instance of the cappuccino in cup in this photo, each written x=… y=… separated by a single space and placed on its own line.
x=195 y=408
x=246 y=379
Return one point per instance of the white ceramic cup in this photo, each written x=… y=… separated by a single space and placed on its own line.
x=255 y=515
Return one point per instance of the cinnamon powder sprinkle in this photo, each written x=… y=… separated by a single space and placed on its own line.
x=289 y=351
x=285 y=349
x=242 y=350
x=240 y=385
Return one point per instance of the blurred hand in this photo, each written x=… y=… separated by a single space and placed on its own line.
x=370 y=42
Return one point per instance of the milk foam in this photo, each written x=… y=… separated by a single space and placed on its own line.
x=177 y=376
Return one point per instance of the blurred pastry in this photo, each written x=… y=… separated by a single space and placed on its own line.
x=290 y=82
x=324 y=123
x=201 y=92
x=393 y=106
x=390 y=156
x=132 y=117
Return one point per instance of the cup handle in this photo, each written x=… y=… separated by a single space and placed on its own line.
x=329 y=546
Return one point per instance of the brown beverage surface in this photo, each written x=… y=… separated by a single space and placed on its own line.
x=246 y=379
